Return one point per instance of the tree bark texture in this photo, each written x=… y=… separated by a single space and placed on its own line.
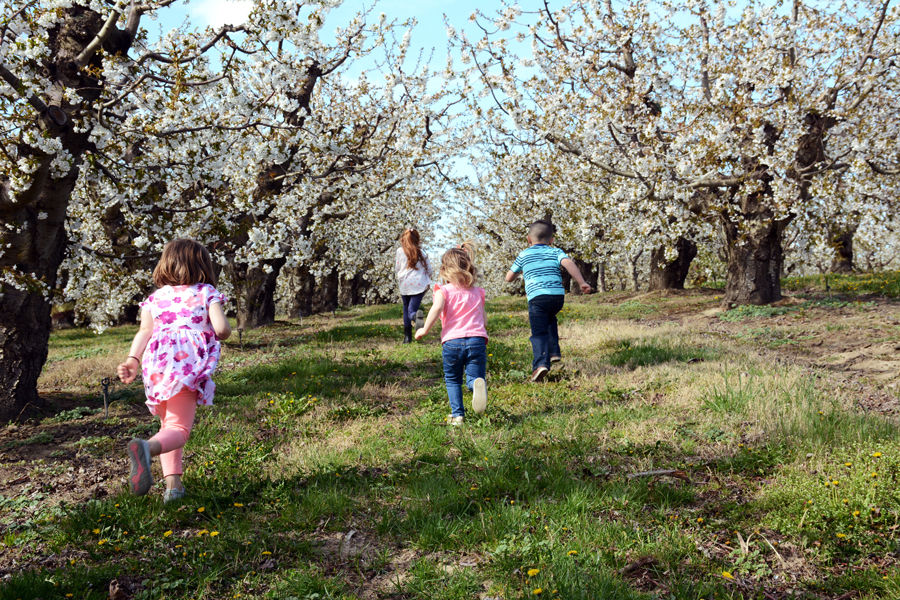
x=842 y=242
x=254 y=292
x=671 y=275
x=37 y=246
x=754 y=258
x=310 y=296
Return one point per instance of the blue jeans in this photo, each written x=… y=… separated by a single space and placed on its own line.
x=544 y=332
x=411 y=305
x=463 y=356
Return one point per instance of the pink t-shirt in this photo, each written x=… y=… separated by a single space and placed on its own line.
x=463 y=314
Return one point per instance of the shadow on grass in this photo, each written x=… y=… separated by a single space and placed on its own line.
x=454 y=495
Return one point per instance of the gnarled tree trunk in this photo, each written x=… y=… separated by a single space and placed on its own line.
x=310 y=296
x=842 y=242
x=754 y=258
x=254 y=292
x=37 y=242
x=671 y=275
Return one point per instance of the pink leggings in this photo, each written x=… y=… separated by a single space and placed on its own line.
x=177 y=416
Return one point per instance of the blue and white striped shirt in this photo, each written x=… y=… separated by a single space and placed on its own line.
x=539 y=265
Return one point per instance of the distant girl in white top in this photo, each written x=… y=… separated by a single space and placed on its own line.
x=414 y=276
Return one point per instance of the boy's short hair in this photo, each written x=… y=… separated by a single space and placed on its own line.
x=541 y=231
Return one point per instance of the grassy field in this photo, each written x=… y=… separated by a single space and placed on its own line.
x=678 y=452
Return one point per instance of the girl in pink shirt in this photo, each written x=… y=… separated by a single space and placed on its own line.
x=460 y=306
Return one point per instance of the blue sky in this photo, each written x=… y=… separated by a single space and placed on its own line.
x=429 y=33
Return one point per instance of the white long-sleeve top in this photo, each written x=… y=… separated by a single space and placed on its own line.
x=412 y=281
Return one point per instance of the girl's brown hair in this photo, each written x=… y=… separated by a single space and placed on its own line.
x=184 y=262
x=409 y=241
x=458 y=265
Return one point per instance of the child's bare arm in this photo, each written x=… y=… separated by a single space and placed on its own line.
x=219 y=321
x=128 y=370
x=570 y=266
x=511 y=275
x=433 y=314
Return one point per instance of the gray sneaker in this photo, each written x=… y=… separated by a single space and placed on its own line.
x=173 y=495
x=141 y=479
x=420 y=319
x=479 y=396
x=455 y=421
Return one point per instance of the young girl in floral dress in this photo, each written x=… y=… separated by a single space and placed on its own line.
x=460 y=306
x=177 y=348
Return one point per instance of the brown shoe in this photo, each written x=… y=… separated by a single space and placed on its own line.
x=539 y=374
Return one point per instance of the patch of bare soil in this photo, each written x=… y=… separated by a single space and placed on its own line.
x=45 y=463
x=858 y=342
x=375 y=568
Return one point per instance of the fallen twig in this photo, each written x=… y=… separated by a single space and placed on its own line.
x=659 y=473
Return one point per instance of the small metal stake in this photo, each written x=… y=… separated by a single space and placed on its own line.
x=241 y=337
x=105 y=384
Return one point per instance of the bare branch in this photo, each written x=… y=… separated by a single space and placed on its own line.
x=82 y=59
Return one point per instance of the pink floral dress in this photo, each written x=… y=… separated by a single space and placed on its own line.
x=183 y=351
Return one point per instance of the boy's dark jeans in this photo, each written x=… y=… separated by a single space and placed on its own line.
x=544 y=333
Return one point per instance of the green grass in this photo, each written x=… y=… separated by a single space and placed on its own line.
x=325 y=470
x=633 y=355
x=883 y=284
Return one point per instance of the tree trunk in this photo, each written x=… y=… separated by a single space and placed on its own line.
x=754 y=258
x=254 y=292
x=309 y=296
x=604 y=286
x=671 y=275
x=635 y=273
x=588 y=271
x=36 y=244
x=842 y=242
x=325 y=295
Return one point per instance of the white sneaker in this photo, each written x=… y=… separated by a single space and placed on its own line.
x=455 y=421
x=479 y=396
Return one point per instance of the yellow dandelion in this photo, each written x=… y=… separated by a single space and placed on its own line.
x=537 y=591
x=101 y=542
x=168 y=533
x=572 y=552
x=699 y=519
x=840 y=535
x=876 y=455
x=266 y=552
x=201 y=509
x=533 y=572
x=848 y=464
x=855 y=513
x=213 y=533
x=727 y=575
x=95 y=531
x=238 y=505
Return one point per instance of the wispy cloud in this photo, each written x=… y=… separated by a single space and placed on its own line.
x=216 y=13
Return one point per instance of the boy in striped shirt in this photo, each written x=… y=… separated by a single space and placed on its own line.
x=540 y=265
